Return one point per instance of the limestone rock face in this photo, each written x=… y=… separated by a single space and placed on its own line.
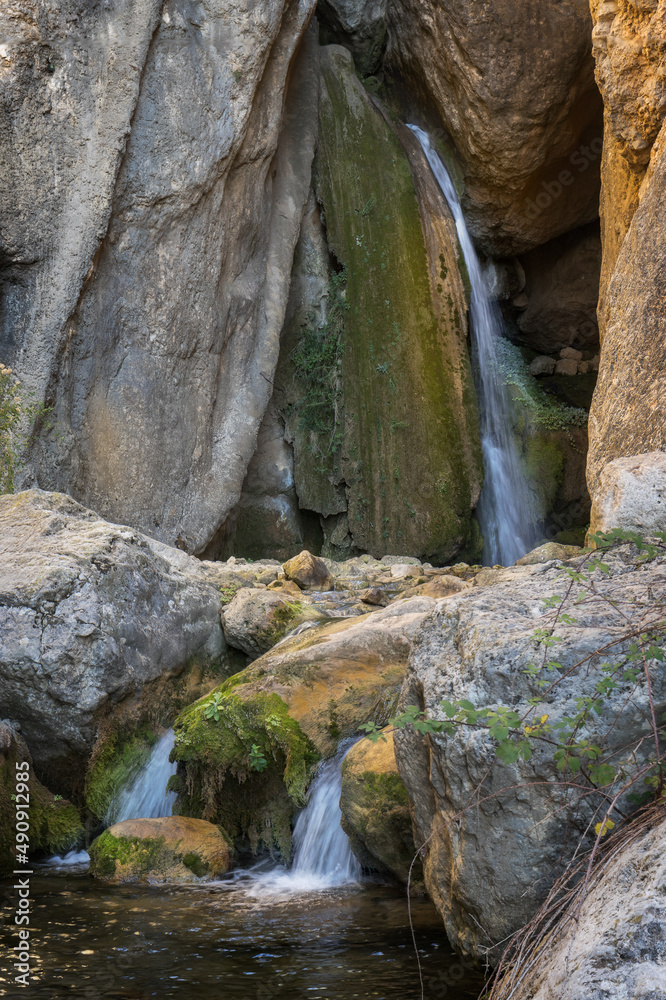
x=360 y=25
x=158 y=170
x=375 y=808
x=90 y=614
x=616 y=948
x=513 y=85
x=629 y=45
x=628 y=414
x=257 y=619
x=170 y=849
x=489 y=868
x=632 y=495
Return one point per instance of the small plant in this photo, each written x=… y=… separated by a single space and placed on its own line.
x=213 y=706
x=258 y=760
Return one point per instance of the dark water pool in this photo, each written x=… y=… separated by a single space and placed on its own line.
x=235 y=940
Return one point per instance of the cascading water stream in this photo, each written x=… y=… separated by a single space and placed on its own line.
x=146 y=796
x=506 y=510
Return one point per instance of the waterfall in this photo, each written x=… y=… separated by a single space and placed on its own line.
x=322 y=850
x=506 y=511
x=146 y=796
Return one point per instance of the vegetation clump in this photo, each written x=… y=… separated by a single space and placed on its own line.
x=543 y=410
x=118 y=759
x=246 y=764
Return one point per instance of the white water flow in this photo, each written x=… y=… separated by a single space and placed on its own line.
x=506 y=510
x=323 y=858
x=146 y=796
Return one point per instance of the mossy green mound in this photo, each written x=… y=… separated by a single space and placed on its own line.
x=245 y=764
x=116 y=762
x=170 y=849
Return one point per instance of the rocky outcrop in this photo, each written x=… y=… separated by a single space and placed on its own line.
x=147 y=247
x=615 y=947
x=246 y=751
x=375 y=809
x=170 y=849
x=632 y=495
x=627 y=415
x=91 y=614
x=395 y=443
x=497 y=834
x=513 y=85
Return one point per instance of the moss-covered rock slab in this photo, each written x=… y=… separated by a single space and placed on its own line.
x=170 y=849
x=375 y=808
x=247 y=750
x=408 y=427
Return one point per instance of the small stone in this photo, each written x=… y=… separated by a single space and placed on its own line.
x=583 y=367
x=594 y=363
x=571 y=353
x=374 y=596
x=568 y=366
x=400 y=570
x=543 y=365
x=521 y=301
x=308 y=571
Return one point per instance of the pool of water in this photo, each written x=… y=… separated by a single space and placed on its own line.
x=243 y=938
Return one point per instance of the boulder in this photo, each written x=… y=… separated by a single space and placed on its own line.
x=55 y=824
x=256 y=619
x=147 y=248
x=438 y=587
x=170 y=849
x=566 y=366
x=615 y=947
x=548 y=551
x=375 y=808
x=488 y=867
x=542 y=365
x=91 y=614
x=374 y=596
x=308 y=571
x=294 y=705
x=512 y=83
x=632 y=495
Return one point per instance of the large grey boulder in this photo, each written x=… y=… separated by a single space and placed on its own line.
x=616 y=948
x=256 y=620
x=632 y=495
x=158 y=162
x=488 y=866
x=91 y=614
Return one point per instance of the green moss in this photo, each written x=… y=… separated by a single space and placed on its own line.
x=283 y=620
x=222 y=786
x=541 y=410
x=115 y=764
x=55 y=824
x=197 y=865
x=544 y=461
x=140 y=855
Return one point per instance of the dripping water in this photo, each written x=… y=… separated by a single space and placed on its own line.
x=146 y=797
x=506 y=510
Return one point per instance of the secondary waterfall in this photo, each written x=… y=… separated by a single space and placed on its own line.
x=146 y=796
x=322 y=850
x=506 y=511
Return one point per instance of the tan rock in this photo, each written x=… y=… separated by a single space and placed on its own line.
x=566 y=366
x=170 y=849
x=542 y=366
x=375 y=808
x=548 y=551
x=632 y=495
x=437 y=588
x=308 y=571
x=571 y=353
x=375 y=596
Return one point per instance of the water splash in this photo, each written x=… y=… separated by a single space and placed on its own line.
x=323 y=858
x=506 y=510
x=146 y=796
